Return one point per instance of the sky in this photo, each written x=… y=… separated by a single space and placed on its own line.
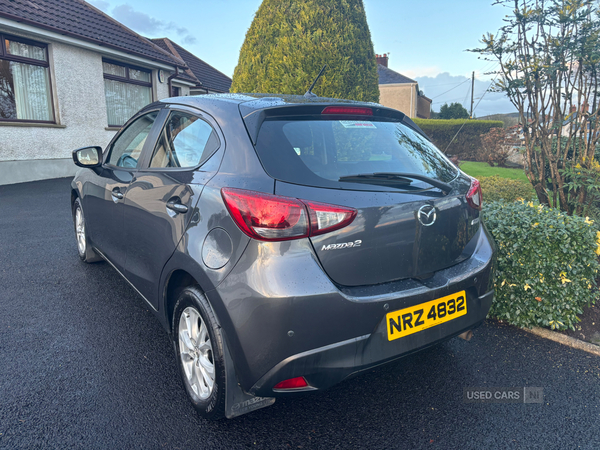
x=426 y=40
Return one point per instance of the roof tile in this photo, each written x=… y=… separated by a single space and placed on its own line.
x=209 y=77
x=388 y=76
x=80 y=19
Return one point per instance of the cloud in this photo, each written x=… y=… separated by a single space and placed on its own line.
x=145 y=24
x=189 y=40
x=446 y=88
x=431 y=71
x=100 y=4
x=137 y=20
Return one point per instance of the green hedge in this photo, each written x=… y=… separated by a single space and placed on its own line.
x=468 y=142
x=496 y=188
x=547 y=264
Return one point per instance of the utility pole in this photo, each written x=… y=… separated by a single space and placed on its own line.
x=472 y=89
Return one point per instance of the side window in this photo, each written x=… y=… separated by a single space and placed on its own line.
x=127 y=149
x=186 y=141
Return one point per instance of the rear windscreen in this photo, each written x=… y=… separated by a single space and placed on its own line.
x=319 y=152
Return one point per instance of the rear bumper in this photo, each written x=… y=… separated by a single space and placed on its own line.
x=284 y=318
x=326 y=366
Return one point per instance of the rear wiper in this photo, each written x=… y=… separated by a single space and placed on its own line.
x=396 y=178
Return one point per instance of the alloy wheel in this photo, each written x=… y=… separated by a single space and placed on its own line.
x=196 y=353
x=80 y=231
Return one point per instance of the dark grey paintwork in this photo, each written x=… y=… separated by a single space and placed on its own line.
x=394 y=244
x=286 y=308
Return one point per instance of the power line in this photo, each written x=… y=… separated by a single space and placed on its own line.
x=450 y=89
x=427 y=86
x=466 y=96
x=490 y=66
x=486 y=91
x=452 y=100
x=461 y=127
x=456 y=99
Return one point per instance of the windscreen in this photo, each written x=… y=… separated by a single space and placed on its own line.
x=317 y=152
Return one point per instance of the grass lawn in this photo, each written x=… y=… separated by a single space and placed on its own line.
x=481 y=169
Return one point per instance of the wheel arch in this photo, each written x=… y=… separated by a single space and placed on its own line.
x=177 y=281
x=74 y=195
x=181 y=271
x=76 y=192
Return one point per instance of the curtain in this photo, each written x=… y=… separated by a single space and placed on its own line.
x=32 y=92
x=123 y=100
x=8 y=109
x=30 y=84
x=26 y=50
x=113 y=69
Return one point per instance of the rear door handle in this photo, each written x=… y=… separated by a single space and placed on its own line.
x=177 y=207
x=116 y=193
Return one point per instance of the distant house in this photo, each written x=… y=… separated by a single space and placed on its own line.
x=400 y=92
x=206 y=79
x=70 y=76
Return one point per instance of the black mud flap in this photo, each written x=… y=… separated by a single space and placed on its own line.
x=237 y=402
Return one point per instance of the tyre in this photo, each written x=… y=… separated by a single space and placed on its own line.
x=86 y=252
x=199 y=349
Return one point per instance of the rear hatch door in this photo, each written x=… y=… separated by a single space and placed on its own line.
x=387 y=241
x=406 y=226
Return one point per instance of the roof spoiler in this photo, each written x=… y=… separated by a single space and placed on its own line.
x=254 y=117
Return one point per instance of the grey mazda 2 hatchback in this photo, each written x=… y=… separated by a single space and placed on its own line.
x=285 y=243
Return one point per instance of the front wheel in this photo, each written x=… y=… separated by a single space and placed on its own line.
x=199 y=349
x=86 y=253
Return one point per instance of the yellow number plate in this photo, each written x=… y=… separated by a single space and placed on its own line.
x=426 y=315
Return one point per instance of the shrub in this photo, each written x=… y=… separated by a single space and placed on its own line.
x=467 y=144
x=494 y=147
x=547 y=264
x=289 y=41
x=497 y=188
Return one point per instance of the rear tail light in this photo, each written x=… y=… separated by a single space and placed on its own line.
x=292 y=383
x=267 y=217
x=276 y=218
x=347 y=110
x=325 y=218
x=474 y=197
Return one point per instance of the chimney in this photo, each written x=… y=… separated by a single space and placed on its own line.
x=382 y=59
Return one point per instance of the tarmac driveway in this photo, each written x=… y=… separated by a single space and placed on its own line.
x=84 y=364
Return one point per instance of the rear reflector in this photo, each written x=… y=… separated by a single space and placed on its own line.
x=276 y=218
x=474 y=197
x=292 y=383
x=348 y=110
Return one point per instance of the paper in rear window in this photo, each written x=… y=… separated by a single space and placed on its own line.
x=357 y=124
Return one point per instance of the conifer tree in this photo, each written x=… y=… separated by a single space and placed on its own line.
x=289 y=41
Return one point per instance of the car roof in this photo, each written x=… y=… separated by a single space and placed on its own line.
x=253 y=101
x=249 y=103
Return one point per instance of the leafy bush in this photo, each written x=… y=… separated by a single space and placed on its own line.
x=547 y=264
x=497 y=188
x=289 y=41
x=467 y=144
x=585 y=177
x=494 y=147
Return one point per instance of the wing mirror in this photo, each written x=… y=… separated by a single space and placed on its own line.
x=88 y=157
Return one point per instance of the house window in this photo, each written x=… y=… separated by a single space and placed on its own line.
x=25 y=93
x=128 y=89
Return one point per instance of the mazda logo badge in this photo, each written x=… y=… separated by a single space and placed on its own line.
x=427 y=215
